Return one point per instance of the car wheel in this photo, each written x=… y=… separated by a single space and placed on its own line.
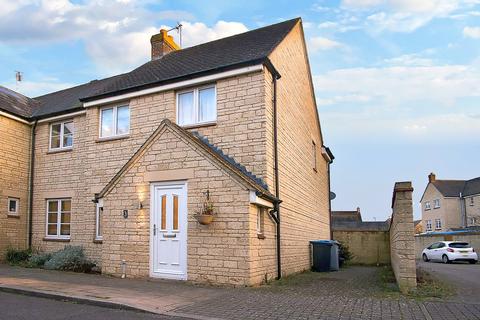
x=472 y=261
x=445 y=259
x=425 y=258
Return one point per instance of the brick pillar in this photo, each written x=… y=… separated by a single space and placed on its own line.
x=402 y=237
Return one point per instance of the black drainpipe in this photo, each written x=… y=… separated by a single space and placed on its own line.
x=277 y=183
x=30 y=200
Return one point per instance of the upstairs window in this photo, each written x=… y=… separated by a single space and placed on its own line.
x=197 y=106
x=61 y=135
x=114 y=121
x=429 y=225
x=438 y=224
x=436 y=203
x=13 y=206
x=427 y=205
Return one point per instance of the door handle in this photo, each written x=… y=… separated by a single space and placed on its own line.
x=172 y=235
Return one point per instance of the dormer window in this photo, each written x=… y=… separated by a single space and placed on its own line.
x=61 y=135
x=114 y=121
x=197 y=106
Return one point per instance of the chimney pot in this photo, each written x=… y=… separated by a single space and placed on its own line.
x=431 y=177
x=162 y=43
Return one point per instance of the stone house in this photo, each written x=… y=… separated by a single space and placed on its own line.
x=122 y=165
x=448 y=204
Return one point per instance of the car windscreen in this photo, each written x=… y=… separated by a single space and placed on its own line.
x=459 y=245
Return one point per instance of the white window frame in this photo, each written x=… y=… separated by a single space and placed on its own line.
x=428 y=226
x=17 y=206
x=438 y=224
x=62 y=128
x=314 y=150
x=427 y=205
x=59 y=220
x=260 y=220
x=115 y=121
x=436 y=203
x=196 y=105
x=99 y=205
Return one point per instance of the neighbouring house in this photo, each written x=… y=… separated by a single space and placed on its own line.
x=448 y=204
x=121 y=165
x=340 y=217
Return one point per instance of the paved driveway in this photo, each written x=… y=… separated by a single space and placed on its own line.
x=463 y=276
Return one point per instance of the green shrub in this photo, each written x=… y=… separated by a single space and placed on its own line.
x=71 y=258
x=39 y=260
x=344 y=252
x=17 y=256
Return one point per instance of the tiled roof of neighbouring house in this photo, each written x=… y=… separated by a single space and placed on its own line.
x=16 y=103
x=246 y=49
x=453 y=188
x=347 y=216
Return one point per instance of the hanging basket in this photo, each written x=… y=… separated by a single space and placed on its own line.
x=204 y=219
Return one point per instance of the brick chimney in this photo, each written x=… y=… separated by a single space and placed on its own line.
x=431 y=177
x=162 y=43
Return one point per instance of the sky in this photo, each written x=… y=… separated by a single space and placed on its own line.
x=397 y=82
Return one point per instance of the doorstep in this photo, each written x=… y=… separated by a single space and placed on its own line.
x=155 y=296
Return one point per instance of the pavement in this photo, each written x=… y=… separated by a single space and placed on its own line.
x=463 y=276
x=352 y=293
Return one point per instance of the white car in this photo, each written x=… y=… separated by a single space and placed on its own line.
x=448 y=251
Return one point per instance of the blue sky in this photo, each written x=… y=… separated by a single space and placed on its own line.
x=397 y=81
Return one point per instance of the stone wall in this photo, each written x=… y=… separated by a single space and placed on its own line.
x=367 y=247
x=424 y=240
x=473 y=210
x=402 y=241
x=14 y=174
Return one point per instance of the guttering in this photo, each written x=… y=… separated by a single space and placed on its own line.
x=11 y=116
x=276 y=208
x=175 y=85
x=30 y=197
x=328 y=156
x=62 y=116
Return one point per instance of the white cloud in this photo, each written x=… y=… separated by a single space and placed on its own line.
x=406 y=15
x=409 y=60
x=471 y=32
x=115 y=33
x=322 y=43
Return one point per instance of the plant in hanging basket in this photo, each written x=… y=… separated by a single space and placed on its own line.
x=205 y=213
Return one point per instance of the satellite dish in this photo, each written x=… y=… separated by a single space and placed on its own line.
x=332 y=195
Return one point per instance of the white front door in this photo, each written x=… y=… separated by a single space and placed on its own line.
x=168 y=222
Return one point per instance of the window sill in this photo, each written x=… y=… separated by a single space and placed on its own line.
x=199 y=125
x=53 y=151
x=13 y=215
x=56 y=239
x=260 y=236
x=98 y=240
x=125 y=136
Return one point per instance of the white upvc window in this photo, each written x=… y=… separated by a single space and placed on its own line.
x=114 y=121
x=61 y=135
x=197 y=106
x=438 y=224
x=429 y=225
x=58 y=218
x=99 y=220
x=260 y=220
x=427 y=205
x=13 y=206
x=436 y=203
